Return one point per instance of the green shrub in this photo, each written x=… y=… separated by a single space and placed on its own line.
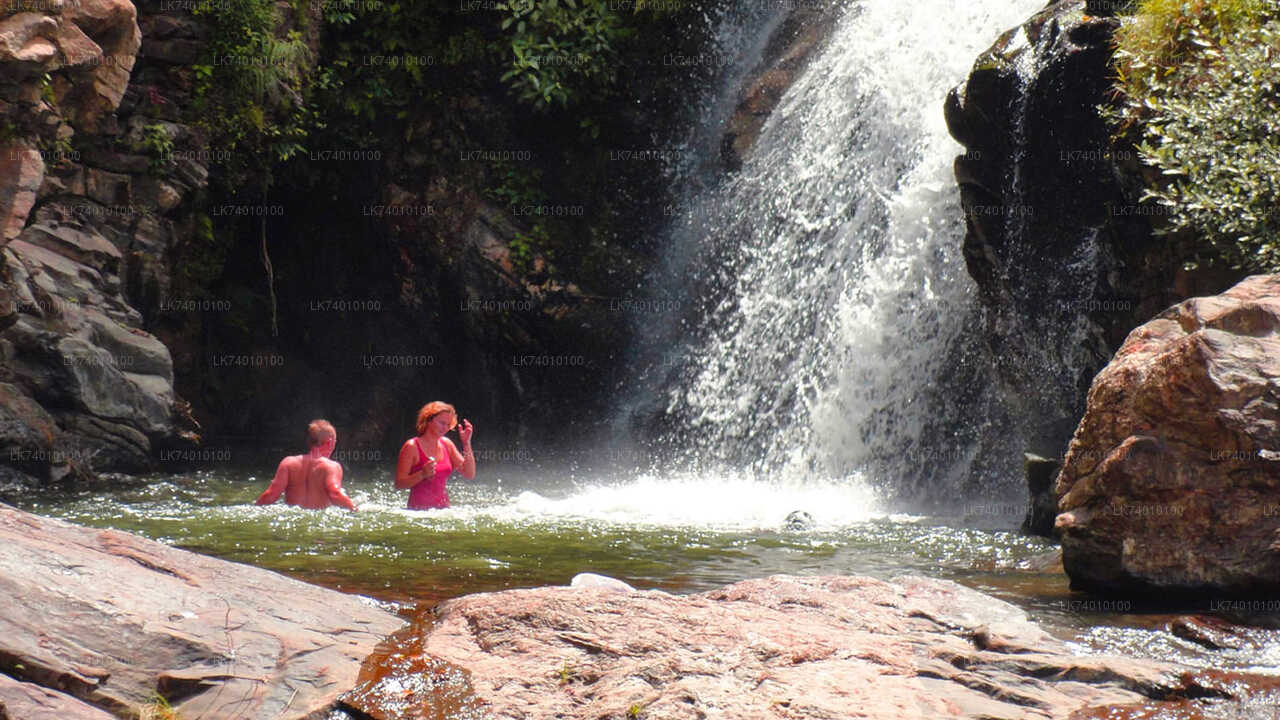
x=156 y=144
x=560 y=48
x=1199 y=89
x=250 y=83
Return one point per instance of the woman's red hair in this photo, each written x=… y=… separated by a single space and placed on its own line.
x=433 y=409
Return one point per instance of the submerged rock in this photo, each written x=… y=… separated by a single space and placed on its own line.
x=811 y=647
x=1172 y=481
x=107 y=619
x=1043 y=506
x=798 y=520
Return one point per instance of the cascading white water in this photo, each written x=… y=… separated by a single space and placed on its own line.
x=835 y=317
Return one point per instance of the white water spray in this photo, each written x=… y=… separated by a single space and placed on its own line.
x=836 y=305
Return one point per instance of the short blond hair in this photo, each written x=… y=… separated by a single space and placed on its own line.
x=318 y=431
x=433 y=409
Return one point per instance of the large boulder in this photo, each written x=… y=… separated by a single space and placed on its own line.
x=107 y=619
x=75 y=347
x=811 y=647
x=1172 y=481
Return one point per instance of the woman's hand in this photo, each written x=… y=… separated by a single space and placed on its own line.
x=464 y=432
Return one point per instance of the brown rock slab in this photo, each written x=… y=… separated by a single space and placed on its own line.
x=21 y=172
x=777 y=647
x=1172 y=480
x=111 y=618
x=27 y=701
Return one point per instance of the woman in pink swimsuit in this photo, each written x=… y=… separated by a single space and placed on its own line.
x=427 y=460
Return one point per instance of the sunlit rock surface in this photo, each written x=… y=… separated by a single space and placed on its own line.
x=1172 y=481
x=107 y=619
x=777 y=647
x=87 y=220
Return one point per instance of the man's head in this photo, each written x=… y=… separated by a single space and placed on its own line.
x=431 y=410
x=320 y=433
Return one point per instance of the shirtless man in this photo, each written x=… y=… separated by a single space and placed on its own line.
x=312 y=480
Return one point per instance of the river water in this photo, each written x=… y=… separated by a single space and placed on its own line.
x=523 y=526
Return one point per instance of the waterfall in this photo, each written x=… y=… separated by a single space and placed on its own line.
x=829 y=330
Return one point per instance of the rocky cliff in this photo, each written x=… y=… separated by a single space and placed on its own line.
x=88 y=223
x=129 y=281
x=1060 y=247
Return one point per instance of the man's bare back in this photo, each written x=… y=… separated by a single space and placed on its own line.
x=310 y=481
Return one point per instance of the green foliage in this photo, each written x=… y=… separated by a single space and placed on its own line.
x=560 y=48
x=567 y=673
x=157 y=708
x=514 y=185
x=46 y=89
x=1199 y=89
x=157 y=145
x=250 y=84
x=201 y=259
x=526 y=247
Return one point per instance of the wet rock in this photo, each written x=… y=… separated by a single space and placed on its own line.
x=798 y=520
x=1043 y=506
x=786 y=55
x=1064 y=262
x=110 y=618
x=1049 y=562
x=89 y=228
x=814 y=647
x=1208 y=632
x=27 y=433
x=1172 y=482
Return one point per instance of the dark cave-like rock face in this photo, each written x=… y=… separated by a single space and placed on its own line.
x=1061 y=250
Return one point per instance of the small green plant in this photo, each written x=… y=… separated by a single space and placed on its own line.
x=634 y=711
x=566 y=673
x=46 y=89
x=157 y=708
x=154 y=141
x=525 y=248
x=515 y=186
x=1198 y=85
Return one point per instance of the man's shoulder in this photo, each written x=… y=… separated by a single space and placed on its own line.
x=290 y=461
